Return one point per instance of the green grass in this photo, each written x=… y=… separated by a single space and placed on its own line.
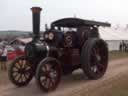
x=117 y=55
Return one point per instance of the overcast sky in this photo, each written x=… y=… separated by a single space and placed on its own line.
x=16 y=14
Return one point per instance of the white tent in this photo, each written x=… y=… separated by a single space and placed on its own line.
x=113 y=36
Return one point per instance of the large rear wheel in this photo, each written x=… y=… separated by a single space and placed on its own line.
x=94 y=58
x=20 y=71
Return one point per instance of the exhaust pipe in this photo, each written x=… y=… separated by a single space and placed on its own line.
x=36 y=22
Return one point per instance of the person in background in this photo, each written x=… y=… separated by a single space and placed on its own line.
x=3 y=58
x=123 y=45
x=1 y=67
x=120 y=46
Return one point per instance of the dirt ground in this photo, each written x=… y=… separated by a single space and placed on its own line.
x=75 y=84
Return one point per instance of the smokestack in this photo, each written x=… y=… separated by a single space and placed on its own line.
x=36 y=22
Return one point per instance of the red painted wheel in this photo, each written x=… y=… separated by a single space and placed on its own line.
x=48 y=74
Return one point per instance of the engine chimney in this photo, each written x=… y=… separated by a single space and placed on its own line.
x=36 y=22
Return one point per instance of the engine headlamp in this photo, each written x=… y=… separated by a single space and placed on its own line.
x=51 y=36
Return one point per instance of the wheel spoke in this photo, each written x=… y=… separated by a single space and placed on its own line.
x=19 y=78
x=20 y=62
x=94 y=68
x=43 y=74
x=46 y=81
x=23 y=64
x=15 y=74
x=22 y=78
x=43 y=69
x=28 y=69
x=15 y=69
x=51 y=84
x=48 y=67
x=53 y=74
x=17 y=65
x=43 y=80
x=96 y=59
x=25 y=76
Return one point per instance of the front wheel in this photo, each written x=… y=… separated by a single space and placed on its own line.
x=20 y=71
x=48 y=74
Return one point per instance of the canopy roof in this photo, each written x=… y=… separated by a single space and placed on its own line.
x=77 y=22
x=22 y=40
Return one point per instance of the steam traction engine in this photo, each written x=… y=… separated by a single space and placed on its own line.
x=69 y=44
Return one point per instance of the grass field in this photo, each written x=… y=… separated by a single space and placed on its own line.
x=117 y=55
